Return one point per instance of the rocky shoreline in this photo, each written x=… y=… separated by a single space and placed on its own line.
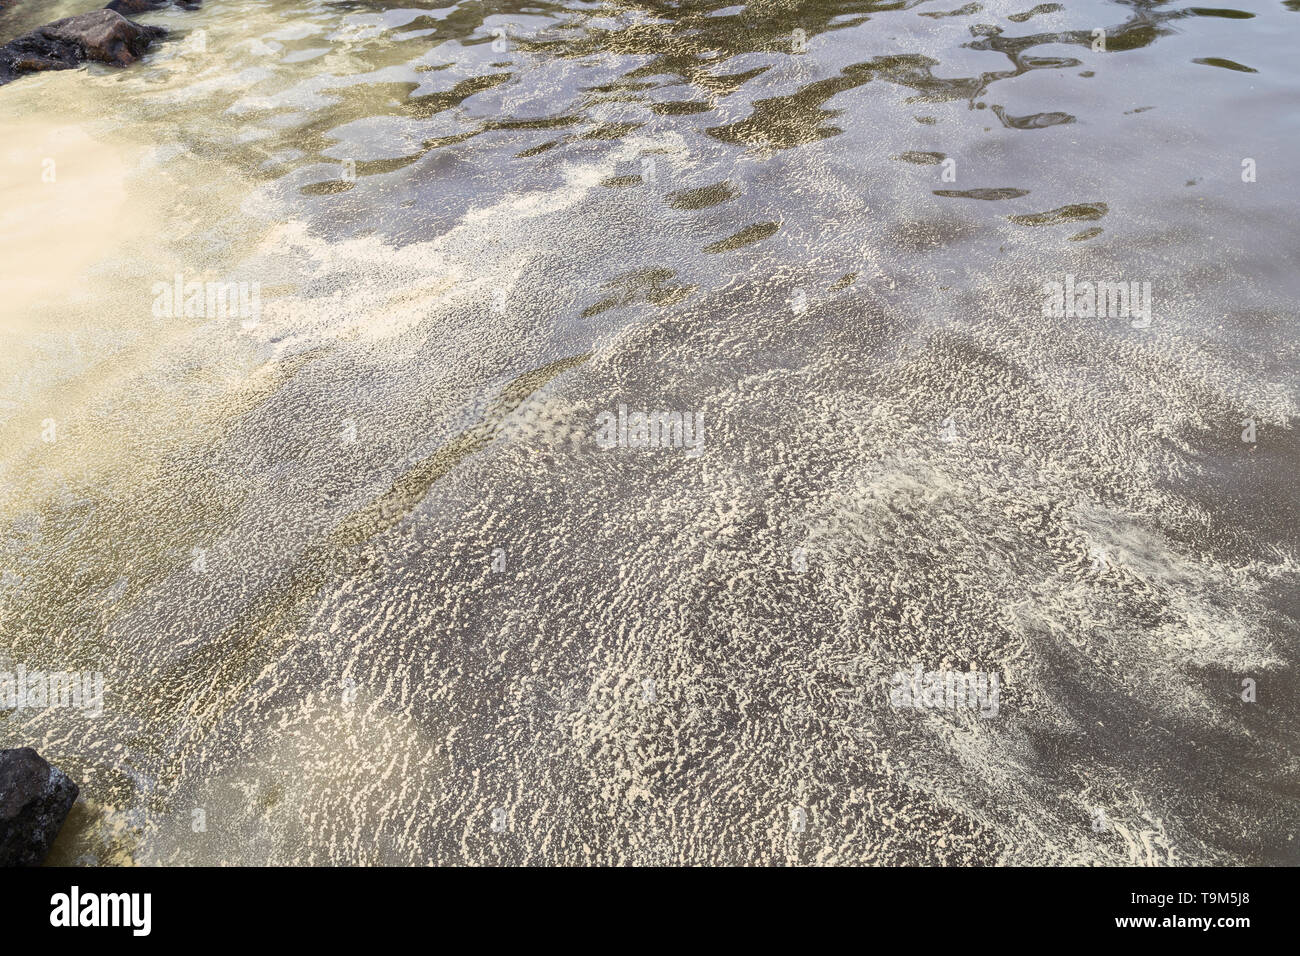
x=105 y=36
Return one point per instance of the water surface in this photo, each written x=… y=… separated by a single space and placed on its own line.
x=823 y=227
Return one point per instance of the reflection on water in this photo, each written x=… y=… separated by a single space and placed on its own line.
x=358 y=577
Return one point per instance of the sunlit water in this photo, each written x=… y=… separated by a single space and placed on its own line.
x=362 y=585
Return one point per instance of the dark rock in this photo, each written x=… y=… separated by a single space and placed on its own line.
x=34 y=801
x=103 y=35
x=129 y=7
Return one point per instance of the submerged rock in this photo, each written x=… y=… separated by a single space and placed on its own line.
x=103 y=35
x=34 y=801
x=128 y=7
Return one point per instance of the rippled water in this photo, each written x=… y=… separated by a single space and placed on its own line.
x=359 y=578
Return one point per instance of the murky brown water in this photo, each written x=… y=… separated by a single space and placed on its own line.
x=361 y=582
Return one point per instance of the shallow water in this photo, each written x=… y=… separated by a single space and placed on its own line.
x=359 y=578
